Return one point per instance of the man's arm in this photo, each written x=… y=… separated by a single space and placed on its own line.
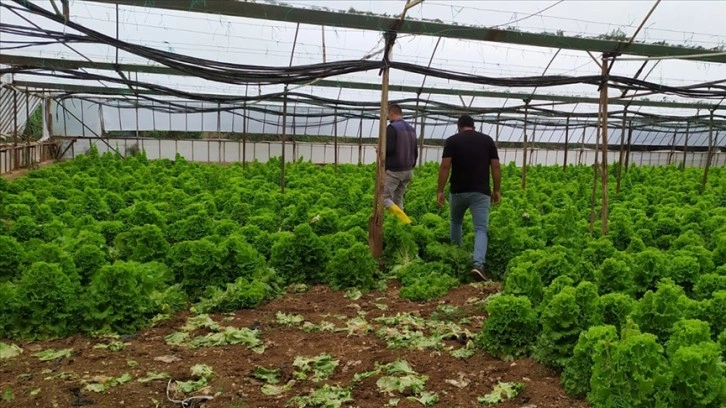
x=391 y=135
x=444 y=170
x=496 y=174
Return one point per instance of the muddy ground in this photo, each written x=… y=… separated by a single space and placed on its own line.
x=25 y=381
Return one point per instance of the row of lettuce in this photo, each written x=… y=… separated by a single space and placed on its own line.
x=636 y=318
x=104 y=244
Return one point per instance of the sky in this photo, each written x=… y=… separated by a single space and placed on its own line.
x=269 y=43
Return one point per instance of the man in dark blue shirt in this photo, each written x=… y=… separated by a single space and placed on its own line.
x=469 y=155
x=401 y=155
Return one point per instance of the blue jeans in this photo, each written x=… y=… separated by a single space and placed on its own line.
x=478 y=203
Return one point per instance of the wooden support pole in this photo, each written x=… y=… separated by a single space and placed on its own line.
x=524 y=150
x=360 y=140
x=710 y=153
x=323 y=33
x=83 y=120
x=375 y=224
x=284 y=114
x=596 y=165
x=27 y=115
x=375 y=229
x=293 y=137
x=416 y=127
x=685 y=146
x=533 y=142
x=604 y=133
x=15 y=130
x=48 y=116
x=284 y=136
x=62 y=104
x=627 y=152
x=421 y=140
x=220 y=149
x=245 y=121
x=622 y=151
x=116 y=33
x=567 y=143
x=673 y=149
x=137 y=114
x=335 y=139
x=25 y=149
x=496 y=137
x=582 y=144
x=595 y=172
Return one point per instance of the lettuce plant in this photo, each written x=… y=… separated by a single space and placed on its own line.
x=510 y=328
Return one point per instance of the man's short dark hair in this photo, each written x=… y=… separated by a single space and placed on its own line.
x=395 y=109
x=465 y=121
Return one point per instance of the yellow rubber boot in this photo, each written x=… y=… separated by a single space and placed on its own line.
x=398 y=212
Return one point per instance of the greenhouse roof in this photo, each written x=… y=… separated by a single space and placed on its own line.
x=676 y=47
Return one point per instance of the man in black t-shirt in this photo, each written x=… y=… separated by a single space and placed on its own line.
x=469 y=155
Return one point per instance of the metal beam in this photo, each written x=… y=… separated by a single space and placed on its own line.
x=56 y=63
x=369 y=21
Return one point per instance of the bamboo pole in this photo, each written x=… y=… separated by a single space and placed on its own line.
x=710 y=153
x=685 y=146
x=604 y=133
x=622 y=151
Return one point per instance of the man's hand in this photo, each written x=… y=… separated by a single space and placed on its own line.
x=440 y=199
x=496 y=197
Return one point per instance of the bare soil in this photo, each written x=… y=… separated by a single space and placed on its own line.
x=60 y=383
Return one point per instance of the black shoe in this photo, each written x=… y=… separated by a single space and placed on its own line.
x=478 y=273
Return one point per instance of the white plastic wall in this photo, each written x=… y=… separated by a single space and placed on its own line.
x=225 y=151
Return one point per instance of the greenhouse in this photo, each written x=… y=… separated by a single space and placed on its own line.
x=192 y=204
